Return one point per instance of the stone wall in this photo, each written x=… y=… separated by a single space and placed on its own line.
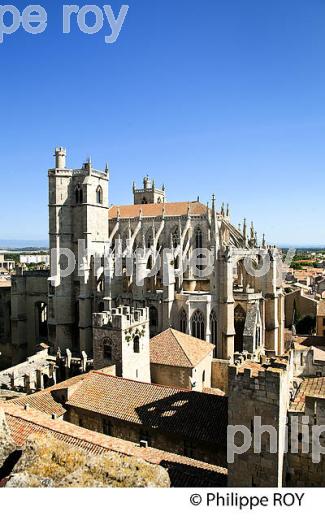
x=263 y=395
x=157 y=439
x=171 y=376
x=300 y=470
x=219 y=374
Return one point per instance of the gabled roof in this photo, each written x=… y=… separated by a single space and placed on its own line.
x=173 y=348
x=192 y=415
x=170 y=209
x=46 y=401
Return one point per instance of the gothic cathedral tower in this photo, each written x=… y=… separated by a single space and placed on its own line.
x=78 y=211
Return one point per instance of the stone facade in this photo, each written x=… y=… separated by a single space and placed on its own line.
x=158 y=439
x=121 y=338
x=193 y=378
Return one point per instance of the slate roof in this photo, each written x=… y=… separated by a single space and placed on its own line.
x=173 y=348
x=192 y=415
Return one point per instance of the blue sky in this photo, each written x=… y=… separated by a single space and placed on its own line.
x=214 y=96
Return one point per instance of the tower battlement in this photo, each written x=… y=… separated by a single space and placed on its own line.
x=122 y=317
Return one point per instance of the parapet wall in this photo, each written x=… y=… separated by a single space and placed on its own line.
x=121 y=317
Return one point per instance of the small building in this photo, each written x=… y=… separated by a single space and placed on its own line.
x=193 y=424
x=177 y=359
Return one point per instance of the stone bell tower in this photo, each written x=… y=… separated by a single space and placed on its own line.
x=149 y=194
x=78 y=210
x=121 y=338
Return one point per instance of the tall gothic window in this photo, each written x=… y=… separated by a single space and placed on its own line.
x=153 y=317
x=79 y=195
x=41 y=319
x=99 y=195
x=108 y=348
x=198 y=238
x=214 y=331
x=149 y=239
x=240 y=318
x=183 y=321
x=198 y=325
x=175 y=238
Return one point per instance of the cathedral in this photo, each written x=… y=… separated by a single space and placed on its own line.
x=230 y=307
x=220 y=284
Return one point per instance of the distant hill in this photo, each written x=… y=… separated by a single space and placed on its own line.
x=24 y=245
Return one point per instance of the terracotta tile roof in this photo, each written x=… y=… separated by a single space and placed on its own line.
x=312 y=387
x=173 y=348
x=171 y=209
x=45 y=401
x=192 y=415
x=183 y=470
x=253 y=366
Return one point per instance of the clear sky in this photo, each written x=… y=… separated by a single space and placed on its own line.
x=213 y=96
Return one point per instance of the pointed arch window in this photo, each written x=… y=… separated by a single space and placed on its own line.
x=240 y=318
x=198 y=238
x=214 y=331
x=99 y=195
x=198 y=325
x=79 y=194
x=183 y=321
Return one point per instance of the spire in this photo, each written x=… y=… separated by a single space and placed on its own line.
x=263 y=241
x=245 y=231
x=239 y=227
x=252 y=231
x=213 y=210
x=223 y=209
x=228 y=211
x=106 y=169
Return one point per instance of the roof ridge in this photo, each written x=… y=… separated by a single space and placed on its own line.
x=140 y=382
x=185 y=354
